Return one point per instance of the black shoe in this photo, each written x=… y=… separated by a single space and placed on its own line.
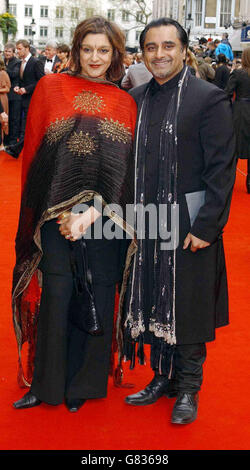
x=74 y=404
x=185 y=408
x=158 y=387
x=10 y=152
x=28 y=401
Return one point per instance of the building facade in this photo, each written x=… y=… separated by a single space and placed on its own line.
x=203 y=17
x=42 y=20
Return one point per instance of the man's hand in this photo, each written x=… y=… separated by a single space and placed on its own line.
x=22 y=91
x=196 y=243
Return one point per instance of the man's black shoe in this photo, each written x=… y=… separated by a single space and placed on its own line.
x=10 y=152
x=75 y=404
x=28 y=401
x=158 y=387
x=185 y=408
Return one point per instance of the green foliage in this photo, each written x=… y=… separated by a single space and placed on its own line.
x=8 y=24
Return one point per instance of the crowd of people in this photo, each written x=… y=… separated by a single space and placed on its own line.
x=210 y=60
x=167 y=142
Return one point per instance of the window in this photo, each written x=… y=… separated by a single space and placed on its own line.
x=28 y=10
x=198 y=12
x=59 y=12
x=59 y=32
x=137 y=35
x=111 y=15
x=125 y=15
x=74 y=13
x=27 y=31
x=12 y=9
x=43 y=31
x=44 y=11
x=225 y=12
x=72 y=32
x=139 y=17
x=89 y=12
x=126 y=34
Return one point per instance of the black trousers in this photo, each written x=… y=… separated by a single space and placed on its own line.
x=17 y=147
x=188 y=367
x=69 y=362
x=14 y=122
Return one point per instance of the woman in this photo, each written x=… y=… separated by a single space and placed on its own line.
x=63 y=52
x=238 y=88
x=192 y=63
x=222 y=72
x=76 y=147
x=5 y=86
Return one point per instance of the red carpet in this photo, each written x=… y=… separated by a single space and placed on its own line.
x=224 y=410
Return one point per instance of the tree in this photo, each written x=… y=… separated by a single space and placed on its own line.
x=139 y=10
x=74 y=11
x=8 y=25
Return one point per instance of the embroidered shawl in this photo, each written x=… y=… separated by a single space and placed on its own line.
x=78 y=144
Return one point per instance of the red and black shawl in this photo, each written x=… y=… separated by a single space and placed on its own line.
x=78 y=144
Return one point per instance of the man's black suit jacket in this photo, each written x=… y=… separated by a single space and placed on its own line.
x=33 y=71
x=42 y=58
x=206 y=165
x=205 y=152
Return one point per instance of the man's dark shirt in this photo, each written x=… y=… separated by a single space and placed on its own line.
x=160 y=97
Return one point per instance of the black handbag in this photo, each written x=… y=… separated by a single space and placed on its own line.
x=83 y=313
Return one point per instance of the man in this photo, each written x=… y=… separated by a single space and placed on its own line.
x=136 y=75
x=13 y=70
x=30 y=71
x=50 y=58
x=210 y=52
x=224 y=48
x=225 y=39
x=177 y=291
x=205 y=70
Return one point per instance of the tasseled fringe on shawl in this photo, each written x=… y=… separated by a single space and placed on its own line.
x=28 y=303
x=129 y=353
x=24 y=379
x=161 y=357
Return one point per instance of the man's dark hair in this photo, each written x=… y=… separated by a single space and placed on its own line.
x=221 y=59
x=24 y=43
x=182 y=35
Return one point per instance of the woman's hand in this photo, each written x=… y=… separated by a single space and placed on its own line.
x=74 y=226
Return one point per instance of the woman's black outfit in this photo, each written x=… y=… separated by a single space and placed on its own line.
x=77 y=147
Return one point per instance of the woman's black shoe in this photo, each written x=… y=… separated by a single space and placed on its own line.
x=74 y=404
x=28 y=401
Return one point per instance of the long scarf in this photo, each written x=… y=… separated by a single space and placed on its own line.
x=162 y=322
